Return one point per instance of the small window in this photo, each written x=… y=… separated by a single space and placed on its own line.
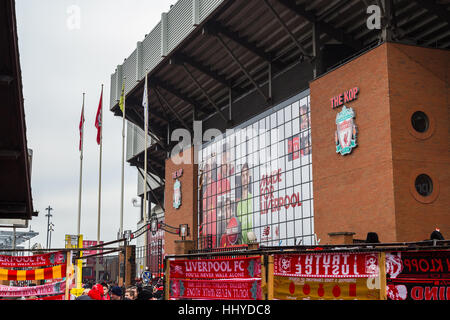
x=424 y=185
x=420 y=121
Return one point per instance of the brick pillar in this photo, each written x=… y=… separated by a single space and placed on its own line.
x=127 y=263
x=186 y=213
x=336 y=238
x=184 y=246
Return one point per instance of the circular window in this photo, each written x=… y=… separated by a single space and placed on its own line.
x=424 y=185
x=420 y=121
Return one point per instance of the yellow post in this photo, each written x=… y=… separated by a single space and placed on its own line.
x=80 y=264
x=270 y=278
x=382 y=268
x=263 y=278
x=167 y=281
x=68 y=274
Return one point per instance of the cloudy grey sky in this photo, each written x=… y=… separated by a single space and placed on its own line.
x=61 y=59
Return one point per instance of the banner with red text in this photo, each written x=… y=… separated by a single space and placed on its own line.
x=58 y=297
x=216 y=268
x=48 y=289
x=293 y=288
x=327 y=265
x=249 y=289
x=41 y=260
x=86 y=253
x=418 y=275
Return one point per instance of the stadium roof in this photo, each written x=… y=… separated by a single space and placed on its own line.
x=203 y=52
x=15 y=158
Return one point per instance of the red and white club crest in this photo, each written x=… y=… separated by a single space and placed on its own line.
x=372 y=264
x=284 y=264
x=394 y=264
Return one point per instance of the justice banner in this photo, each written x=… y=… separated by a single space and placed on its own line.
x=294 y=288
x=34 y=261
x=249 y=289
x=216 y=268
x=56 y=272
x=422 y=275
x=327 y=265
x=48 y=289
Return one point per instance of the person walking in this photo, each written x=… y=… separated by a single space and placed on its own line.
x=94 y=294
x=106 y=295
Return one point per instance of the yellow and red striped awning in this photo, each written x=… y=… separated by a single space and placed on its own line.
x=56 y=272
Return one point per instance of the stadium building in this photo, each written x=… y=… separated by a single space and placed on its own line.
x=284 y=122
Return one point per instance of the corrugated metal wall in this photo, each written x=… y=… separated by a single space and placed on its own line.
x=152 y=49
x=208 y=6
x=179 y=23
x=135 y=140
x=112 y=96
x=135 y=146
x=129 y=72
x=181 y=20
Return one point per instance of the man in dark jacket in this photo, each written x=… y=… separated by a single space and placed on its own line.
x=116 y=293
x=436 y=235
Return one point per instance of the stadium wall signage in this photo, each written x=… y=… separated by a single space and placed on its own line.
x=327 y=265
x=343 y=98
x=421 y=275
x=32 y=261
x=216 y=269
x=47 y=289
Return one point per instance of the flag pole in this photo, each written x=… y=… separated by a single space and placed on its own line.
x=123 y=164
x=99 y=182
x=145 y=168
x=81 y=170
x=79 y=243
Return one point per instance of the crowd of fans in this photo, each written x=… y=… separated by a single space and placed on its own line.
x=111 y=291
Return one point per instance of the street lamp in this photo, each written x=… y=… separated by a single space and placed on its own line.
x=48 y=215
x=51 y=225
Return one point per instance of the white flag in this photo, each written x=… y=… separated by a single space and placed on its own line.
x=145 y=103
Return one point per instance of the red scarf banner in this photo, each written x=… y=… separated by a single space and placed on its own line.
x=37 y=274
x=58 y=297
x=216 y=268
x=42 y=260
x=289 y=288
x=422 y=275
x=327 y=265
x=249 y=289
x=48 y=289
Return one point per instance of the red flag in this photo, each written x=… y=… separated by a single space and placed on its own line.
x=98 y=119
x=81 y=127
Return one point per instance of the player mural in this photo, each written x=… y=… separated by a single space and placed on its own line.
x=256 y=181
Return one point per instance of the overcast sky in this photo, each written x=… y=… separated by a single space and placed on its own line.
x=67 y=48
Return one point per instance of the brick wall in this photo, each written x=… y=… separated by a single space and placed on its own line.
x=419 y=81
x=187 y=213
x=354 y=193
x=371 y=190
